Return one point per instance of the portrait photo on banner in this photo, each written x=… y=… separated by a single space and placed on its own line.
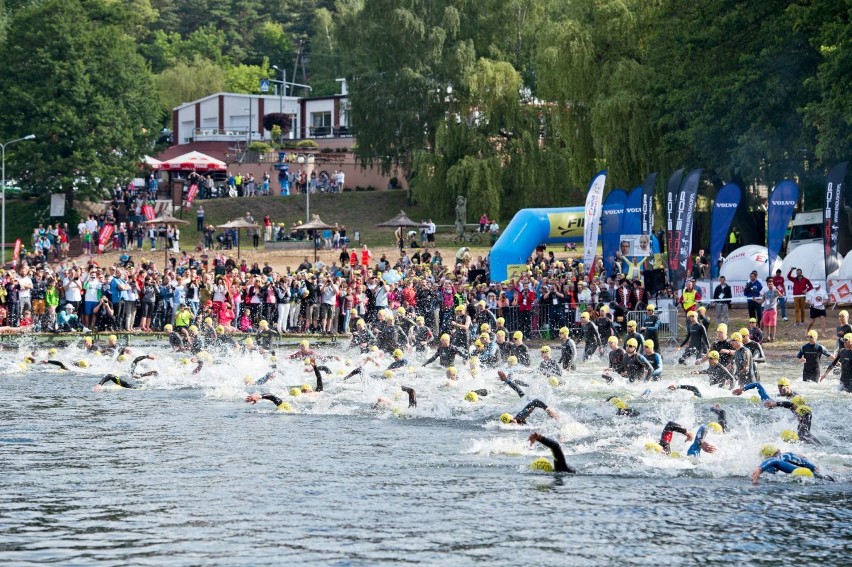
x=635 y=245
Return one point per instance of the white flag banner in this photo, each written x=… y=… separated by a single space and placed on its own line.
x=57 y=204
x=594 y=202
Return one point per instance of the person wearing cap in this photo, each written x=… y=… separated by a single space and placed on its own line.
x=722 y=345
x=651 y=326
x=743 y=365
x=604 y=323
x=754 y=331
x=752 y=290
x=568 y=358
x=784 y=390
x=622 y=408
x=668 y=432
x=843 y=327
x=488 y=354
x=559 y=463
x=506 y=378
x=722 y=296
x=460 y=325
x=653 y=358
x=699 y=444
x=446 y=353
x=801 y=286
x=844 y=358
x=304 y=351
x=768 y=301
x=518 y=349
x=264 y=335
x=616 y=360
x=420 y=335
x=483 y=316
x=636 y=366
x=632 y=334
x=521 y=417
x=702 y=318
x=810 y=353
x=816 y=298
x=548 y=366
x=775 y=461
x=591 y=336
x=696 y=338
x=719 y=375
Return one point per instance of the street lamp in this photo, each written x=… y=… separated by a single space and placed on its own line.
x=283 y=89
x=3 y=229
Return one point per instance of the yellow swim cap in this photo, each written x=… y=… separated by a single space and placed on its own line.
x=501 y=333
x=184 y=361
x=360 y=323
x=87 y=340
x=847 y=337
x=305 y=343
x=554 y=381
x=564 y=332
x=419 y=319
x=652 y=447
x=249 y=341
x=248 y=379
x=783 y=381
x=388 y=374
x=789 y=436
x=715 y=427
x=649 y=343
x=692 y=315
x=485 y=327
x=736 y=337
x=612 y=340
x=459 y=308
x=542 y=464
x=622 y=405
x=632 y=342
x=167 y=328
x=445 y=337
x=112 y=338
x=397 y=353
x=263 y=324
x=285 y=406
x=220 y=329
x=615 y=401
x=512 y=360
x=400 y=310
x=604 y=308
x=752 y=320
x=545 y=348
x=768 y=450
x=122 y=357
x=702 y=309
x=477 y=343
x=373 y=348
x=713 y=354
x=471 y=397
x=843 y=313
x=631 y=323
x=517 y=335
x=500 y=320
x=82 y=363
x=484 y=336
x=51 y=352
x=813 y=334
x=208 y=320
x=306 y=388
x=744 y=332
x=722 y=328
x=650 y=308
x=193 y=329
x=474 y=361
x=505 y=417
x=584 y=315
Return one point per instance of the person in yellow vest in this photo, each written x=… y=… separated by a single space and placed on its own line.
x=690 y=297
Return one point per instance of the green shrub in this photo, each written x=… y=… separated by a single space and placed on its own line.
x=307 y=144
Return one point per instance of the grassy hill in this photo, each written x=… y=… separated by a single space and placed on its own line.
x=358 y=211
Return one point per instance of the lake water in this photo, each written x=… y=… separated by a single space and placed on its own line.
x=184 y=472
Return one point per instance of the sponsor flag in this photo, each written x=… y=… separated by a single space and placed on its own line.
x=684 y=220
x=672 y=194
x=16 y=253
x=632 y=223
x=190 y=195
x=724 y=207
x=594 y=202
x=648 y=192
x=833 y=202
x=148 y=211
x=782 y=202
x=612 y=216
x=104 y=237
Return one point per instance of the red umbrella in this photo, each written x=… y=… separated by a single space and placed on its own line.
x=193 y=161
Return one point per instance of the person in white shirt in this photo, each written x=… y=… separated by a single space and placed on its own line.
x=341 y=179
x=816 y=299
x=25 y=294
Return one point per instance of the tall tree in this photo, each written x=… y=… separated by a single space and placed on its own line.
x=73 y=78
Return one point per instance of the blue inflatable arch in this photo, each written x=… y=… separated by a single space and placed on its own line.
x=528 y=229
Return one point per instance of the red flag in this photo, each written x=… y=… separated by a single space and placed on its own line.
x=104 y=236
x=148 y=211
x=190 y=195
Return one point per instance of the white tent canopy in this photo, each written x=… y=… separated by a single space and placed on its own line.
x=742 y=261
x=810 y=258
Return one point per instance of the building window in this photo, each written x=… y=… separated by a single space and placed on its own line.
x=320 y=124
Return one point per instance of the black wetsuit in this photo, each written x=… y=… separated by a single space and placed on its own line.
x=568 y=358
x=719 y=375
x=521 y=352
x=719 y=346
x=264 y=338
x=640 y=340
x=272 y=398
x=804 y=429
x=721 y=417
x=616 y=363
x=592 y=338
x=696 y=336
x=604 y=326
x=118 y=381
x=388 y=338
x=637 y=367
x=460 y=336
x=136 y=361
x=516 y=386
x=559 y=464
x=447 y=355
x=743 y=366
x=811 y=353
x=757 y=355
x=522 y=416
x=412 y=396
x=363 y=339
x=692 y=389
x=58 y=363
x=841 y=332
x=666 y=437
x=421 y=336
x=844 y=358
x=549 y=367
x=175 y=340
x=652 y=325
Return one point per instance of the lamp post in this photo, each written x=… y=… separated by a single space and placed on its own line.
x=283 y=89
x=3 y=228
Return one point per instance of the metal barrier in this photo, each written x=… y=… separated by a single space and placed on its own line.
x=668 y=330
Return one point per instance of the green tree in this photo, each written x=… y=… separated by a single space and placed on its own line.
x=79 y=85
x=185 y=82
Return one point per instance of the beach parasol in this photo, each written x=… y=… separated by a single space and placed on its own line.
x=168 y=220
x=315 y=224
x=239 y=224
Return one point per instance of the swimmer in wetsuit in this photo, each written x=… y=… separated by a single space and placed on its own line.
x=803 y=414
x=559 y=464
x=616 y=359
x=776 y=461
x=591 y=336
x=58 y=363
x=784 y=389
x=654 y=359
x=521 y=417
x=279 y=403
x=719 y=375
x=568 y=358
x=264 y=336
x=548 y=366
x=513 y=384
x=139 y=359
x=446 y=352
x=844 y=358
x=117 y=381
x=652 y=326
x=686 y=387
x=669 y=431
x=699 y=444
x=399 y=361
x=420 y=335
x=809 y=354
x=621 y=407
x=363 y=338
x=696 y=337
x=721 y=416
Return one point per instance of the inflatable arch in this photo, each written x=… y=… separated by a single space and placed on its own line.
x=528 y=229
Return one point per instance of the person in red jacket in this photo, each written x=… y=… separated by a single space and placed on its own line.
x=801 y=286
x=365 y=256
x=524 y=299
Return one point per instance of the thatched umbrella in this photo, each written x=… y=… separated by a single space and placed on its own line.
x=238 y=224
x=315 y=224
x=400 y=221
x=168 y=220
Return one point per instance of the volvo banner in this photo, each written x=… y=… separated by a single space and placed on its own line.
x=782 y=202
x=724 y=208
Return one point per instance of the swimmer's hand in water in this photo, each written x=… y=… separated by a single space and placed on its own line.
x=737 y=391
x=705 y=446
x=535 y=436
x=253 y=398
x=672 y=387
x=689 y=435
x=770 y=404
x=502 y=375
x=552 y=413
x=97 y=388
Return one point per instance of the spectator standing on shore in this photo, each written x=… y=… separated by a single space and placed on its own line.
x=199 y=218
